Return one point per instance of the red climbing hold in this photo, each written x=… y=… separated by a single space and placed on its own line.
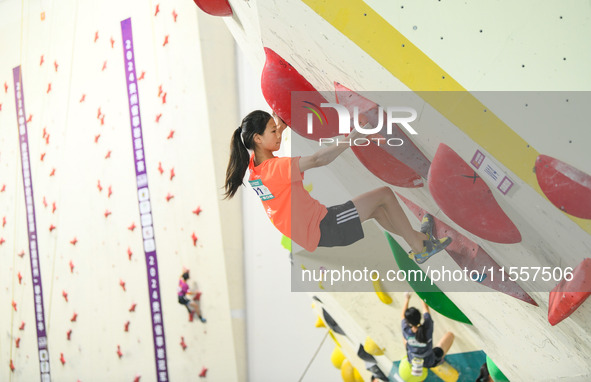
x=55 y=65
x=137 y=378
x=42 y=157
x=159 y=90
x=119 y=353
x=51 y=227
x=108 y=154
x=3 y=221
x=131 y=228
x=69 y=334
x=129 y=253
x=96 y=36
x=48 y=87
x=12 y=366
x=110 y=192
x=21 y=253
x=170 y=135
x=169 y=196
x=203 y=372
x=104 y=66
x=65 y=295
x=215 y=7
x=278 y=82
x=174 y=15
x=17 y=342
x=157 y=10
x=62 y=359
x=122 y=284
x=183 y=344
x=164 y=43
x=194 y=237
x=98 y=185
x=74 y=317
x=44 y=202
x=20 y=278
x=197 y=296
x=164 y=96
x=158 y=117
x=30 y=118
x=53 y=207
x=132 y=308
x=2 y=240
x=52 y=173
x=71 y=267
x=160 y=169
x=467 y=200
x=14 y=306
x=112 y=42
x=41 y=60
x=99 y=113
x=141 y=77
x=126 y=326
x=74 y=241
x=172 y=174
x=567 y=296
x=96 y=138
x=22 y=327
x=82 y=98
x=3 y=188
x=107 y=213
x=568 y=188
x=197 y=211
x=102 y=120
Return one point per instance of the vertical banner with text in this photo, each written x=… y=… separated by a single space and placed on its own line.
x=31 y=225
x=144 y=203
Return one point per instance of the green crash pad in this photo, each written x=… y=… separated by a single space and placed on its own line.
x=431 y=294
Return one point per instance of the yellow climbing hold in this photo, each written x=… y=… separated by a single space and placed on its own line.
x=347 y=372
x=383 y=296
x=309 y=187
x=319 y=323
x=446 y=372
x=405 y=372
x=372 y=348
x=337 y=357
x=357 y=376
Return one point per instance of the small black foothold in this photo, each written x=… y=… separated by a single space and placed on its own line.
x=525 y=105
x=560 y=17
x=403 y=45
x=481 y=31
x=563 y=58
x=443 y=77
x=485 y=110
x=570 y=141
x=402 y=7
x=567 y=100
x=527 y=146
x=365 y=14
x=523 y=66
x=414 y=28
x=442 y=37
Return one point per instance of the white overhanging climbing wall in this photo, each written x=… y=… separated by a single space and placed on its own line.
x=521 y=49
x=110 y=309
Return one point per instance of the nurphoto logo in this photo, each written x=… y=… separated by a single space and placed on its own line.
x=400 y=115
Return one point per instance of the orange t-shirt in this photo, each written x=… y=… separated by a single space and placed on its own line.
x=279 y=184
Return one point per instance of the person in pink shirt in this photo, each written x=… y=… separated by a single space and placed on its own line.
x=183 y=292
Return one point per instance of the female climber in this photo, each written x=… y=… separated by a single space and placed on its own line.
x=279 y=184
x=418 y=338
x=183 y=291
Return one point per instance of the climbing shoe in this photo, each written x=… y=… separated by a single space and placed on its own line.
x=430 y=248
x=427 y=226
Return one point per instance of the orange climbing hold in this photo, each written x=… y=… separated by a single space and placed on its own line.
x=568 y=188
x=567 y=296
x=467 y=200
x=278 y=82
x=215 y=7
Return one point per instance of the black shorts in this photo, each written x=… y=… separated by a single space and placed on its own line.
x=438 y=353
x=341 y=226
x=183 y=300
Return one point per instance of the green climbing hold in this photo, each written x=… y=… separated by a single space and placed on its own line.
x=430 y=293
x=496 y=374
x=286 y=243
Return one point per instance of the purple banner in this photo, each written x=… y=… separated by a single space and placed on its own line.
x=31 y=225
x=144 y=203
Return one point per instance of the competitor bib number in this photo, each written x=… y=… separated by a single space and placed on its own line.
x=260 y=189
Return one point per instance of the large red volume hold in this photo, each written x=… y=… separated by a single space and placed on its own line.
x=567 y=296
x=568 y=188
x=278 y=80
x=467 y=200
x=215 y=7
